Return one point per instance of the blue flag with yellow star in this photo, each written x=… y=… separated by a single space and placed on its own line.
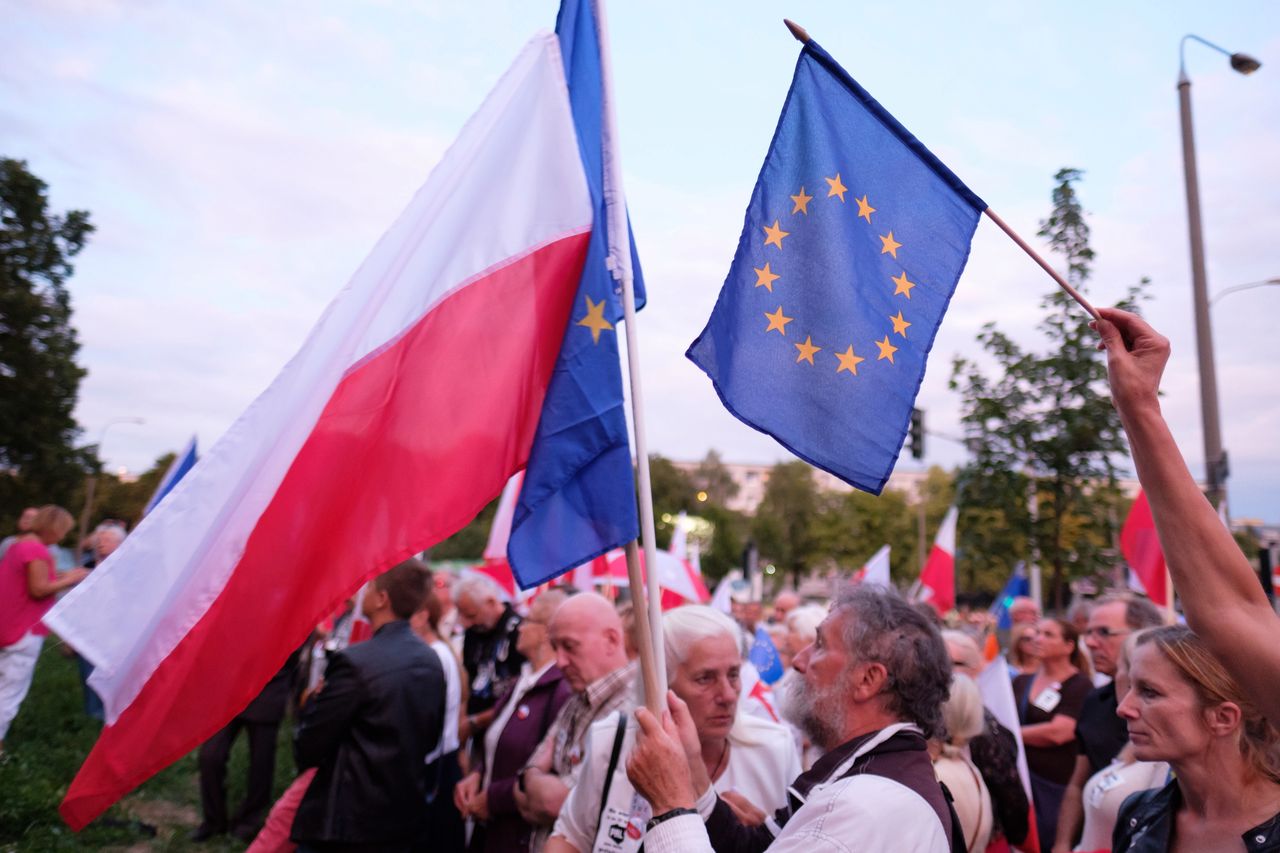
x=578 y=499
x=854 y=240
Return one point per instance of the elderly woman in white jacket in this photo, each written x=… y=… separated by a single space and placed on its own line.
x=750 y=760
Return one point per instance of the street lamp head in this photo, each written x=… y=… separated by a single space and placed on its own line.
x=1244 y=63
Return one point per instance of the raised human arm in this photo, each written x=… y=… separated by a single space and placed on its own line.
x=1229 y=609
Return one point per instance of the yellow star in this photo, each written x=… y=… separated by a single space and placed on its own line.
x=837 y=188
x=849 y=361
x=890 y=246
x=904 y=285
x=766 y=277
x=886 y=349
x=778 y=321
x=865 y=210
x=774 y=235
x=802 y=202
x=899 y=324
x=807 y=349
x=595 y=320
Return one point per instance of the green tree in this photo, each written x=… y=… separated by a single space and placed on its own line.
x=673 y=491
x=39 y=377
x=1043 y=433
x=784 y=522
x=714 y=478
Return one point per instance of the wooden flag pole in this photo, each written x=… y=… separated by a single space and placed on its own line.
x=653 y=662
x=1035 y=256
x=802 y=36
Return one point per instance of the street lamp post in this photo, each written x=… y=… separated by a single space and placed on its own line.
x=91 y=480
x=1215 y=459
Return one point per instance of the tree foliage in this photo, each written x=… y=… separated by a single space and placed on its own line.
x=1043 y=433
x=39 y=377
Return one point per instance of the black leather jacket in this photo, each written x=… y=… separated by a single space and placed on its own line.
x=368 y=731
x=1145 y=824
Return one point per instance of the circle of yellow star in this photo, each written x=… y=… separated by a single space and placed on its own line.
x=904 y=285
x=899 y=325
x=889 y=246
x=766 y=277
x=774 y=235
x=849 y=361
x=886 y=350
x=865 y=210
x=595 y=320
x=807 y=349
x=837 y=188
x=778 y=320
x=802 y=202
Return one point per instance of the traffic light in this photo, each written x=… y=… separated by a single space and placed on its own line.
x=915 y=435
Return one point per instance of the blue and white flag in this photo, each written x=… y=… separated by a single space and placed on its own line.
x=178 y=468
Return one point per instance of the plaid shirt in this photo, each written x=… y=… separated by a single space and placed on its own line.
x=602 y=697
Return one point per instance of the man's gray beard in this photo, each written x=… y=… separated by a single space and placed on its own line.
x=814 y=712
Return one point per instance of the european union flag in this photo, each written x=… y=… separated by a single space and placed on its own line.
x=1018 y=585
x=764 y=657
x=853 y=243
x=579 y=498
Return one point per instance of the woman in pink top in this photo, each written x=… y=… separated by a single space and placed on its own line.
x=28 y=583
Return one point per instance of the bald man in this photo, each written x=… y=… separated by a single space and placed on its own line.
x=590 y=649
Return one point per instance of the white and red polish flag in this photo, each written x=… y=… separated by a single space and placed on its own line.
x=938 y=577
x=876 y=569
x=413 y=400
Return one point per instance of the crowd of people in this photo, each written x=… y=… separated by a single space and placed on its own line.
x=432 y=714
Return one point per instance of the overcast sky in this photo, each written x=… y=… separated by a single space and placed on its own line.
x=240 y=159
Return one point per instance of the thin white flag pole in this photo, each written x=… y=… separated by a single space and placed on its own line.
x=619 y=263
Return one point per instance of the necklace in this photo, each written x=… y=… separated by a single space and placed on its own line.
x=719 y=768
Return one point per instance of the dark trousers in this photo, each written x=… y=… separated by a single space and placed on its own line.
x=92 y=704
x=445 y=828
x=214 y=755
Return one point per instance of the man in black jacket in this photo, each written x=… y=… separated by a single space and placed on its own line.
x=370 y=727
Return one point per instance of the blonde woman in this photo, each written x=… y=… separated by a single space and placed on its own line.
x=29 y=582
x=963 y=716
x=1105 y=790
x=1182 y=707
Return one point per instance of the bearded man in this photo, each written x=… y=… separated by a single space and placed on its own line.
x=869 y=693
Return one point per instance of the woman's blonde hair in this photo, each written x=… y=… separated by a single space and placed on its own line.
x=1259 y=739
x=962 y=713
x=51 y=517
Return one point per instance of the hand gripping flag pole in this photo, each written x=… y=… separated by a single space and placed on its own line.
x=803 y=37
x=649 y=631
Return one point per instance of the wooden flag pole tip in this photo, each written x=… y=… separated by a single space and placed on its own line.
x=796 y=30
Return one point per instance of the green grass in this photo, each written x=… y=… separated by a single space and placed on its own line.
x=46 y=745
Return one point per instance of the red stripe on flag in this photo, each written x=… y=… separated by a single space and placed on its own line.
x=1140 y=545
x=412 y=444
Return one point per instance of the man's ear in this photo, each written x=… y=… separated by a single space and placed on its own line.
x=868 y=681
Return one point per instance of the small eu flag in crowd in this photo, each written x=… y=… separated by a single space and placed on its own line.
x=764 y=657
x=854 y=240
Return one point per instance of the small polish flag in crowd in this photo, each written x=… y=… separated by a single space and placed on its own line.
x=938 y=577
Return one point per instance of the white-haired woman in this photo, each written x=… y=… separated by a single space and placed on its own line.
x=963 y=715
x=750 y=761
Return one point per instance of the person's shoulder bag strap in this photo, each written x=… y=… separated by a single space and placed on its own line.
x=618 y=737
